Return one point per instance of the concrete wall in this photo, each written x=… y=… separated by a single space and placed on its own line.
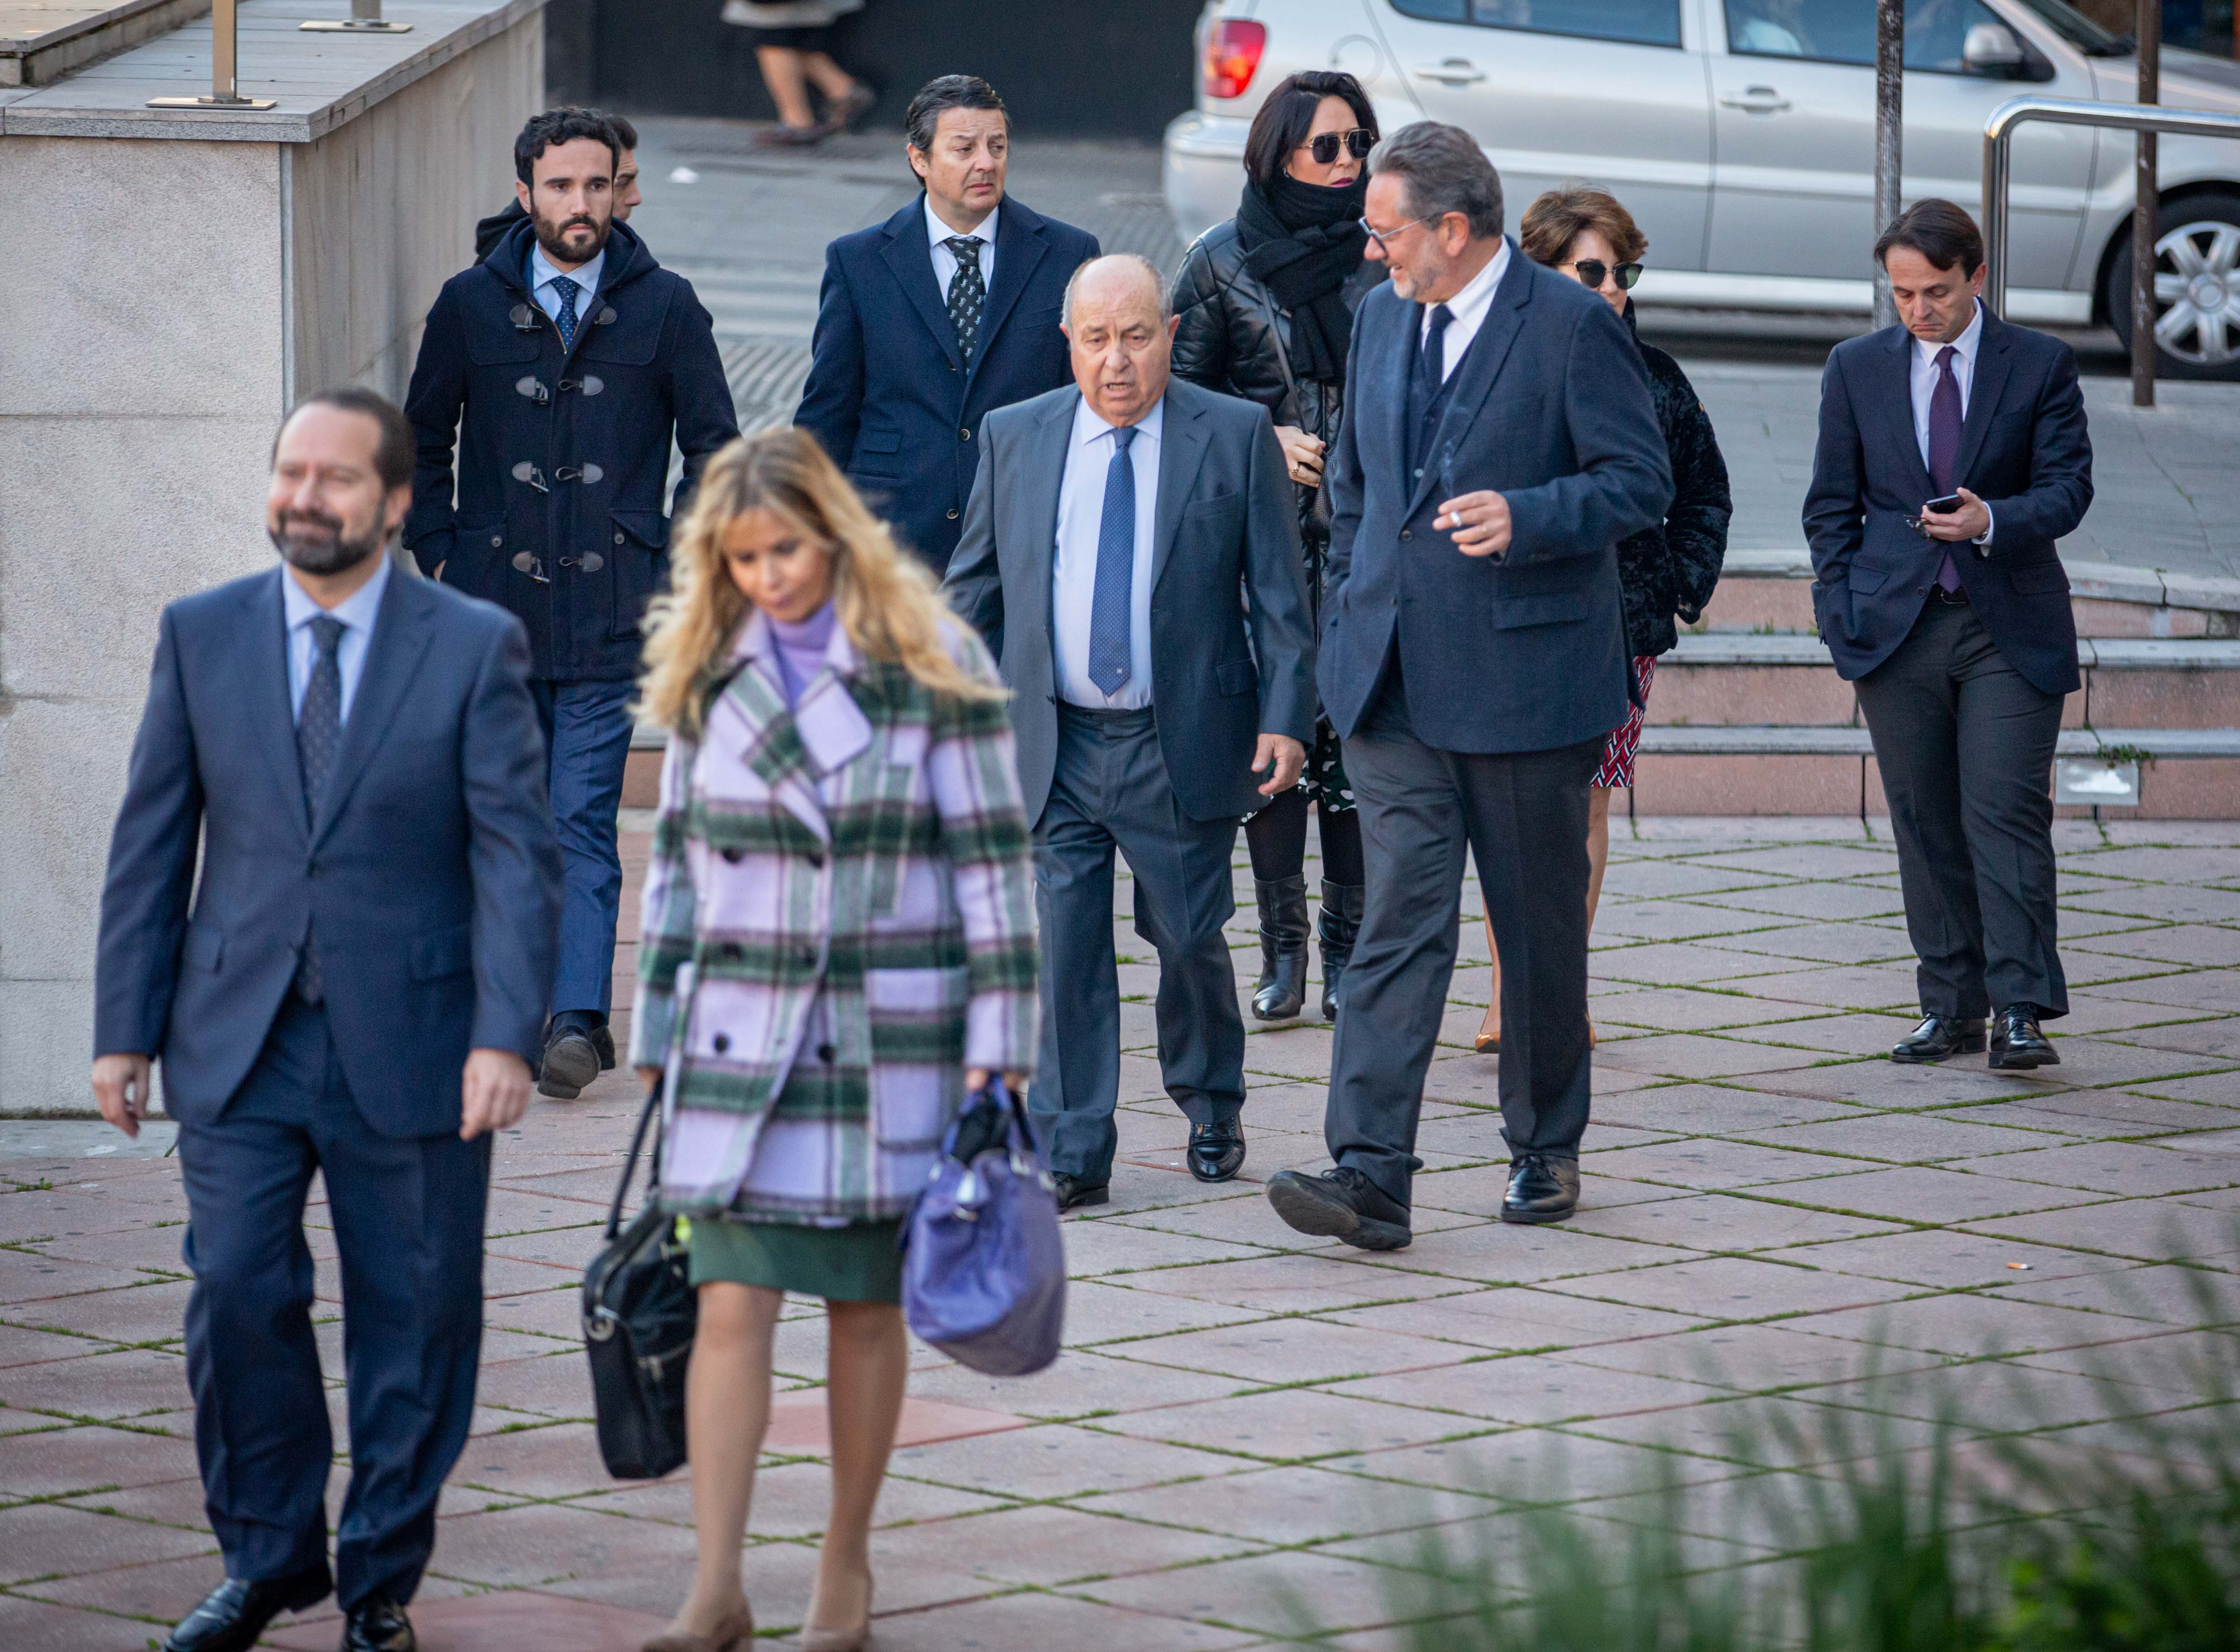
x=382 y=210
x=168 y=299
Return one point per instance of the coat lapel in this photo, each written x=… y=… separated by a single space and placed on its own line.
x=1041 y=478
x=1990 y=379
x=1480 y=366
x=402 y=629
x=790 y=749
x=909 y=255
x=271 y=712
x=1181 y=450
x=1020 y=246
x=1893 y=400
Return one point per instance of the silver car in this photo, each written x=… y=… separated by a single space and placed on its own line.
x=1740 y=133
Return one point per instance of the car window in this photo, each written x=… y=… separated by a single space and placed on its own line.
x=1648 y=23
x=1843 y=31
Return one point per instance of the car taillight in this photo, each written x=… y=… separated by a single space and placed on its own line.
x=1232 y=55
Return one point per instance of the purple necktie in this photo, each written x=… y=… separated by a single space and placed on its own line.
x=1944 y=446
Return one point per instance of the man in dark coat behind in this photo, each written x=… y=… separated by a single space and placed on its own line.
x=927 y=323
x=560 y=368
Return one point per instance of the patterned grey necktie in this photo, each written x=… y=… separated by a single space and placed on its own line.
x=567 y=319
x=318 y=733
x=967 y=295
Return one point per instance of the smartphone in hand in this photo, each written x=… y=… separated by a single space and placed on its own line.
x=1945 y=507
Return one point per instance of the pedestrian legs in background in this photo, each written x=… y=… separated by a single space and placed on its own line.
x=789 y=72
x=727 y=1414
x=1277 y=837
x=587 y=733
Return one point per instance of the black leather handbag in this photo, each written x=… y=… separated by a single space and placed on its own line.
x=639 y=1315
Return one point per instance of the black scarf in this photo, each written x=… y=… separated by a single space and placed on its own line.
x=1303 y=241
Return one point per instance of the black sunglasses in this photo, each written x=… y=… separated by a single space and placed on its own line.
x=1323 y=145
x=1591 y=271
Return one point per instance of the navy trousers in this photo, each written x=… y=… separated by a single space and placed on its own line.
x=587 y=732
x=407 y=1218
x=1112 y=791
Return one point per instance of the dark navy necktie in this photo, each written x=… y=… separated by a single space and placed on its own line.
x=1944 y=446
x=567 y=290
x=968 y=294
x=318 y=734
x=1429 y=372
x=1110 y=645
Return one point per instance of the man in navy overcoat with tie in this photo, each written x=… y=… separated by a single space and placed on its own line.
x=354 y=985
x=1955 y=624
x=928 y=322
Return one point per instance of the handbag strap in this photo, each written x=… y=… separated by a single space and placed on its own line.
x=637 y=1140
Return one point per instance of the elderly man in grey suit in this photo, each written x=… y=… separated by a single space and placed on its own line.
x=1110 y=527
x=1498 y=443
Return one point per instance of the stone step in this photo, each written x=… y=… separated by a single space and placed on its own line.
x=1763 y=591
x=1737 y=678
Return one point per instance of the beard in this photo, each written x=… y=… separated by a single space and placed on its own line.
x=551 y=233
x=320 y=544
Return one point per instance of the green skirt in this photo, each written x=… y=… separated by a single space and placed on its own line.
x=860 y=1262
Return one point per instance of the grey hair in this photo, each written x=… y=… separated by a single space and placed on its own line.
x=1159 y=286
x=1445 y=171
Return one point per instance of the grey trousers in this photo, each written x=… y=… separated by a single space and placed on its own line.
x=1965 y=745
x=1111 y=791
x=1524 y=816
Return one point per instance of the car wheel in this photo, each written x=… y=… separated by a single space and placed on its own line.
x=2196 y=287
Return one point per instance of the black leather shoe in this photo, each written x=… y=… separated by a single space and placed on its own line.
x=1541 y=1188
x=2016 y=1042
x=1939 y=1038
x=571 y=1061
x=234 y=1613
x=1340 y=1204
x=1281 y=992
x=602 y=1040
x=377 y=1625
x=1339 y=927
x=1073 y=1192
x=1216 y=1151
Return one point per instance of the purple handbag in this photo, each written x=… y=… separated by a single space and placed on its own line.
x=984 y=1267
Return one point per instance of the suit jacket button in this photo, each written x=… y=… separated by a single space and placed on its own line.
x=723 y=1043
x=618 y=539
x=963 y=435
x=952 y=515
x=1407 y=534
x=732 y=855
x=808 y=958
x=825 y=1053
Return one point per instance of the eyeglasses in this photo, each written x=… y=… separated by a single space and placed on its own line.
x=1593 y=270
x=1324 y=145
x=1384 y=237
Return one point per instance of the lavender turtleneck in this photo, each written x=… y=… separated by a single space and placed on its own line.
x=801 y=647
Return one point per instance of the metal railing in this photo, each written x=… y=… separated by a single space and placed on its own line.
x=1999 y=129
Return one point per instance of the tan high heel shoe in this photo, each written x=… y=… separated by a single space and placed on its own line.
x=848 y=1640
x=734 y=1634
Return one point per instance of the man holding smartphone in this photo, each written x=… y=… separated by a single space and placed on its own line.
x=1953 y=454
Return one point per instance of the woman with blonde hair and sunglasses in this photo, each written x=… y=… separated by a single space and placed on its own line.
x=1662 y=571
x=838 y=944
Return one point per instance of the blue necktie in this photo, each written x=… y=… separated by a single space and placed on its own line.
x=1109 y=645
x=567 y=290
x=318 y=733
x=1944 y=446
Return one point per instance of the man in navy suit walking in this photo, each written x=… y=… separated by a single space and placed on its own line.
x=1499 y=443
x=1955 y=624
x=356 y=987
x=931 y=321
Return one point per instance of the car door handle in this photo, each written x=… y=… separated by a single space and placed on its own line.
x=1452 y=71
x=1757 y=100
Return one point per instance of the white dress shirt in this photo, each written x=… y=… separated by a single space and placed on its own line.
x=944 y=261
x=356 y=613
x=1964 y=373
x=1468 y=309
x=542 y=275
x=1073 y=565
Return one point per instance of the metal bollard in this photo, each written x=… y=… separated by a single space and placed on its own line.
x=225 y=67
x=364 y=19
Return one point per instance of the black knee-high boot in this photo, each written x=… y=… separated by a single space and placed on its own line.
x=1282 y=991
x=1339 y=924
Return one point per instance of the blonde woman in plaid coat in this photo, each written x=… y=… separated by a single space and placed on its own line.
x=836 y=943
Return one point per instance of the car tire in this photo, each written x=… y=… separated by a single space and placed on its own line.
x=2198 y=268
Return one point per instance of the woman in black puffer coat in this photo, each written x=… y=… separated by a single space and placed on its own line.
x=1266 y=303
x=1662 y=571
